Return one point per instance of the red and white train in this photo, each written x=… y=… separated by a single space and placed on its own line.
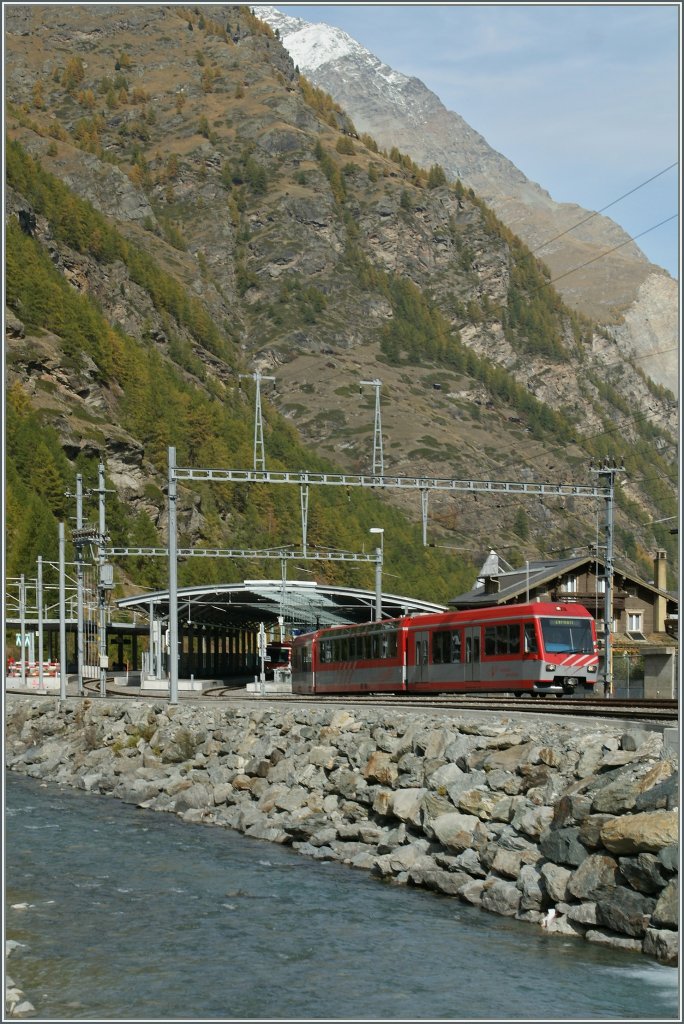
x=278 y=656
x=538 y=648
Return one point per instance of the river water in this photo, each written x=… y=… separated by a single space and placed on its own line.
x=126 y=914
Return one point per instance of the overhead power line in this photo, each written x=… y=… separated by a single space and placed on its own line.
x=603 y=208
x=632 y=238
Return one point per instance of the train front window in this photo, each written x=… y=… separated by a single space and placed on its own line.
x=530 y=639
x=563 y=636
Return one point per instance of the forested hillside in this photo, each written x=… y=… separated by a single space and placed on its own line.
x=183 y=209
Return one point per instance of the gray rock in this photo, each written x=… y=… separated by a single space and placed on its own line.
x=624 y=911
x=666 y=911
x=663 y=945
x=500 y=897
x=581 y=913
x=556 y=879
x=612 y=940
x=644 y=873
x=562 y=846
x=596 y=875
x=669 y=858
x=532 y=887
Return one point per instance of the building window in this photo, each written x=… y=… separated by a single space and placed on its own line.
x=570 y=585
x=600 y=584
x=634 y=620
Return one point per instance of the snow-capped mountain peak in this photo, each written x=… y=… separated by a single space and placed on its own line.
x=398 y=110
x=313 y=45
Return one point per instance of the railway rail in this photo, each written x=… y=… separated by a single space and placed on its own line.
x=659 y=711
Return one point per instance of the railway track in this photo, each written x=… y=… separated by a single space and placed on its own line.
x=656 y=711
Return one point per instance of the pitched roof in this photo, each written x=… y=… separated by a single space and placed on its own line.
x=536 y=574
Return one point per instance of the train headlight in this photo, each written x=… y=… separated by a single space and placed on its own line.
x=591 y=668
x=550 y=668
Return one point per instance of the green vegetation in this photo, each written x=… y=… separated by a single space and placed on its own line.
x=77 y=223
x=159 y=405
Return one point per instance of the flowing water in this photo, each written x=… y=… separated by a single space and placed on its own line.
x=126 y=914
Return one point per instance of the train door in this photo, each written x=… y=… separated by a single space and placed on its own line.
x=472 y=654
x=421 y=657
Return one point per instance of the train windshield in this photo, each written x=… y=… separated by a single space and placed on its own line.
x=562 y=636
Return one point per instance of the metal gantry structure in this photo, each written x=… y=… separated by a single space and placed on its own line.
x=378 y=457
x=259 y=451
x=605 y=489
x=97 y=538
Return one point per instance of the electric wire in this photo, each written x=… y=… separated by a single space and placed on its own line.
x=587 y=263
x=603 y=208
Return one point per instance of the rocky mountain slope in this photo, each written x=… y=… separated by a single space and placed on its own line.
x=183 y=208
x=636 y=300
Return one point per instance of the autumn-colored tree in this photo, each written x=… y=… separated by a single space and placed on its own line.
x=38 y=95
x=436 y=176
x=73 y=74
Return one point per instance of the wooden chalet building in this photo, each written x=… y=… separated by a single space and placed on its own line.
x=645 y=614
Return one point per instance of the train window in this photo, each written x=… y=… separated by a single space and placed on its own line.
x=437 y=648
x=456 y=647
x=392 y=645
x=446 y=647
x=469 y=649
x=384 y=643
x=565 y=635
x=502 y=640
x=530 y=639
x=375 y=646
x=301 y=659
x=418 y=646
x=440 y=647
x=366 y=647
x=344 y=649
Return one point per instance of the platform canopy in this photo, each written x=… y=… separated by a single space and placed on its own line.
x=302 y=605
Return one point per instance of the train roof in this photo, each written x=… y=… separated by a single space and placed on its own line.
x=492 y=613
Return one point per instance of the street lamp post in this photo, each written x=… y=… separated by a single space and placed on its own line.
x=379 y=552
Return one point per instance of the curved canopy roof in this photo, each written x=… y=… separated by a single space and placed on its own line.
x=303 y=605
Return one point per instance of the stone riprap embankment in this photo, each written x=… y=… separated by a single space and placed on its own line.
x=571 y=826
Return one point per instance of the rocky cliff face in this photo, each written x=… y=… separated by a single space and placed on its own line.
x=620 y=289
x=273 y=238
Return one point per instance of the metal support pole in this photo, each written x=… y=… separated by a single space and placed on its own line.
x=607 y=474
x=378 y=571
x=79 y=585
x=150 y=654
x=22 y=619
x=304 y=502
x=378 y=584
x=62 y=618
x=608 y=612
x=261 y=649
x=424 y=495
x=173 y=581
x=101 y=552
x=378 y=458
x=39 y=602
x=259 y=454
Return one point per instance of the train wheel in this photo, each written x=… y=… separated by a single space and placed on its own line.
x=517 y=693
